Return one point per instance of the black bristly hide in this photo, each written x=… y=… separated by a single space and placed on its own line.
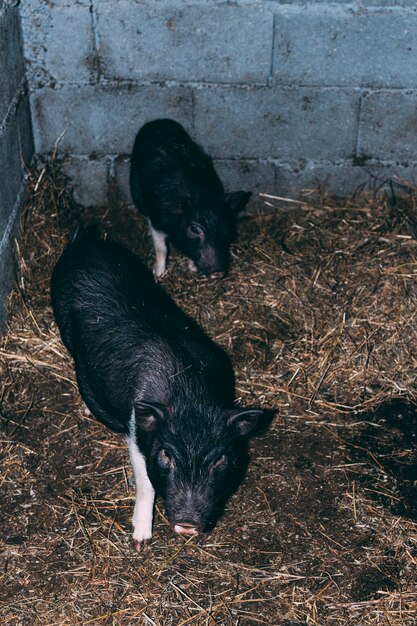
x=136 y=353
x=174 y=183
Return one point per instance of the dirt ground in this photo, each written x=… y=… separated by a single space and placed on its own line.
x=319 y=317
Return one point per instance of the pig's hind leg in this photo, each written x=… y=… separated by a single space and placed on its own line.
x=145 y=495
x=159 y=240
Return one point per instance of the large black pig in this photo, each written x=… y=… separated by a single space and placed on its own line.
x=147 y=370
x=174 y=183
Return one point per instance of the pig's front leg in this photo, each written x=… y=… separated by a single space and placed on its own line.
x=145 y=495
x=160 y=245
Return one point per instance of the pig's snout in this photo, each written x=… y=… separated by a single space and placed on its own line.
x=187 y=522
x=213 y=261
x=185 y=528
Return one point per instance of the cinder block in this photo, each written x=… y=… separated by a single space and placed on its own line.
x=16 y=151
x=103 y=118
x=380 y=173
x=279 y=123
x=15 y=143
x=337 y=46
x=355 y=4
x=11 y=171
x=122 y=171
x=88 y=178
x=58 y=43
x=11 y=58
x=197 y=42
x=388 y=126
x=319 y=178
x=68 y=3
x=36 y=6
x=389 y=3
x=12 y=142
x=246 y=175
x=24 y=138
x=341 y=180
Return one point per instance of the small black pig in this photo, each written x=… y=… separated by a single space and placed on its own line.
x=145 y=369
x=174 y=183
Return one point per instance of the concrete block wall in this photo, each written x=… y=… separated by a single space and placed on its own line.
x=284 y=94
x=16 y=145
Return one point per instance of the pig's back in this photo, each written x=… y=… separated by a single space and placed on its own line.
x=167 y=166
x=103 y=287
x=126 y=335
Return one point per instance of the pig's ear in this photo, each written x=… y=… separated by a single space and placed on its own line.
x=148 y=414
x=237 y=201
x=244 y=421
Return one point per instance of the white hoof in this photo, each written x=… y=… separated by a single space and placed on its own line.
x=142 y=532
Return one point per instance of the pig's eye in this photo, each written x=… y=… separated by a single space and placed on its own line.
x=195 y=231
x=218 y=463
x=165 y=460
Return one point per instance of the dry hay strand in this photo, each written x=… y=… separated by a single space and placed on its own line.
x=318 y=314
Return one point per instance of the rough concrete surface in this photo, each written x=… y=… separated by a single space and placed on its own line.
x=16 y=144
x=340 y=46
x=287 y=85
x=103 y=118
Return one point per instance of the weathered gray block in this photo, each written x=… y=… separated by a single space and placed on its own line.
x=388 y=3
x=122 y=171
x=88 y=179
x=16 y=150
x=247 y=175
x=11 y=172
x=304 y=124
x=24 y=138
x=15 y=145
x=15 y=142
x=103 y=118
x=402 y=174
x=11 y=60
x=388 y=126
x=281 y=123
x=336 y=180
x=225 y=43
x=58 y=43
x=38 y=5
x=355 y=4
x=340 y=46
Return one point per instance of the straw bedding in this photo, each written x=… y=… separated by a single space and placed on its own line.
x=319 y=317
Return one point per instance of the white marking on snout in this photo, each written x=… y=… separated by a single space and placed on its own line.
x=185 y=530
x=145 y=494
x=86 y=410
x=192 y=266
x=160 y=245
